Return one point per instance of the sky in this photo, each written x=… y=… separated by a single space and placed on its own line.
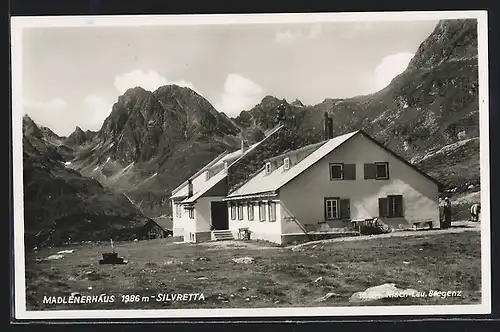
x=72 y=76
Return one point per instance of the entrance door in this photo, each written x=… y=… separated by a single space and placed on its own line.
x=219 y=215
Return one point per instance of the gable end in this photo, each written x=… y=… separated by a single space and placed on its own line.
x=403 y=160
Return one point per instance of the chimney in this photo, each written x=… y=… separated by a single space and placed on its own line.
x=242 y=145
x=190 y=188
x=281 y=114
x=328 y=127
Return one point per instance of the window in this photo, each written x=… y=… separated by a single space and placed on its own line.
x=262 y=211
x=268 y=168
x=342 y=171
x=336 y=171
x=191 y=213
x=240 y=211
x=272 y=211
x=207 y=175
x=233 y=212
x=250 y=211
x=378 y=171
x=391 y=206
x=382 y=171
x=286 y=163
x=336 y=208
x=331 y=208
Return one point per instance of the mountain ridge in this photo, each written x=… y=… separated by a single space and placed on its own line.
x=431 y=105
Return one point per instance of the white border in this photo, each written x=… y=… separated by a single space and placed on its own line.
x=19 y=23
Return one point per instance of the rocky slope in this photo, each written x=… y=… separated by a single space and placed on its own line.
x=61 y=205
x=152 y=141
x=79 y=137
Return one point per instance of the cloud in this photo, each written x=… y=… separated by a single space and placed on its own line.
x=96 y=109
x=149 y=80
x=391 y=66
x=53 y=113
x=240 y=93
x=289 y=36
x=54 y=104
x=62 y=118
x=353 y=30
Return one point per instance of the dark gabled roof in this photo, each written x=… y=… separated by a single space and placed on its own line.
x=164 y=223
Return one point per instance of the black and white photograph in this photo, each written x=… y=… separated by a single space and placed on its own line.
x=314 y=164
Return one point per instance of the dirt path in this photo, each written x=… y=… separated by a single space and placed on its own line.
x=457 y=227
x=235 y=244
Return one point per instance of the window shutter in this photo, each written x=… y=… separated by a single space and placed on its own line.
x=383 y=207
x=370 y=171
x=399 y=205
x=325 y=208
x=345 y=209
x=350 y=172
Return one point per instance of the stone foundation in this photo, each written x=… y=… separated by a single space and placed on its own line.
x=203 y=236
x=301 y=237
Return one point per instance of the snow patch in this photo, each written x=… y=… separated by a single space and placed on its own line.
x=448 y=148
x=469 y=198
x=132 y=163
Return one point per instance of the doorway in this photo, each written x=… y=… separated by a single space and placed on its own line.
x=219 y=216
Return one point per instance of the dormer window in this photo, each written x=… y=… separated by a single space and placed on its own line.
x=268 y=168
x=286 y=163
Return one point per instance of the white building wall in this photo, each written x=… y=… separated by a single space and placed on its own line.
x=260 y=230
x=304 y=196
x=203 y=213
x=183 y=225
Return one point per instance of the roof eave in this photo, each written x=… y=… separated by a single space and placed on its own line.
x=252 y=195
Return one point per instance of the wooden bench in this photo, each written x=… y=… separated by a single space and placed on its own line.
x=243 y=233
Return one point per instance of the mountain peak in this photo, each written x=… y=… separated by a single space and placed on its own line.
x=30 y=128
x=297 y=103
x=173 y=87
x=269 y=99
x=136 y=90
x=451 y=39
